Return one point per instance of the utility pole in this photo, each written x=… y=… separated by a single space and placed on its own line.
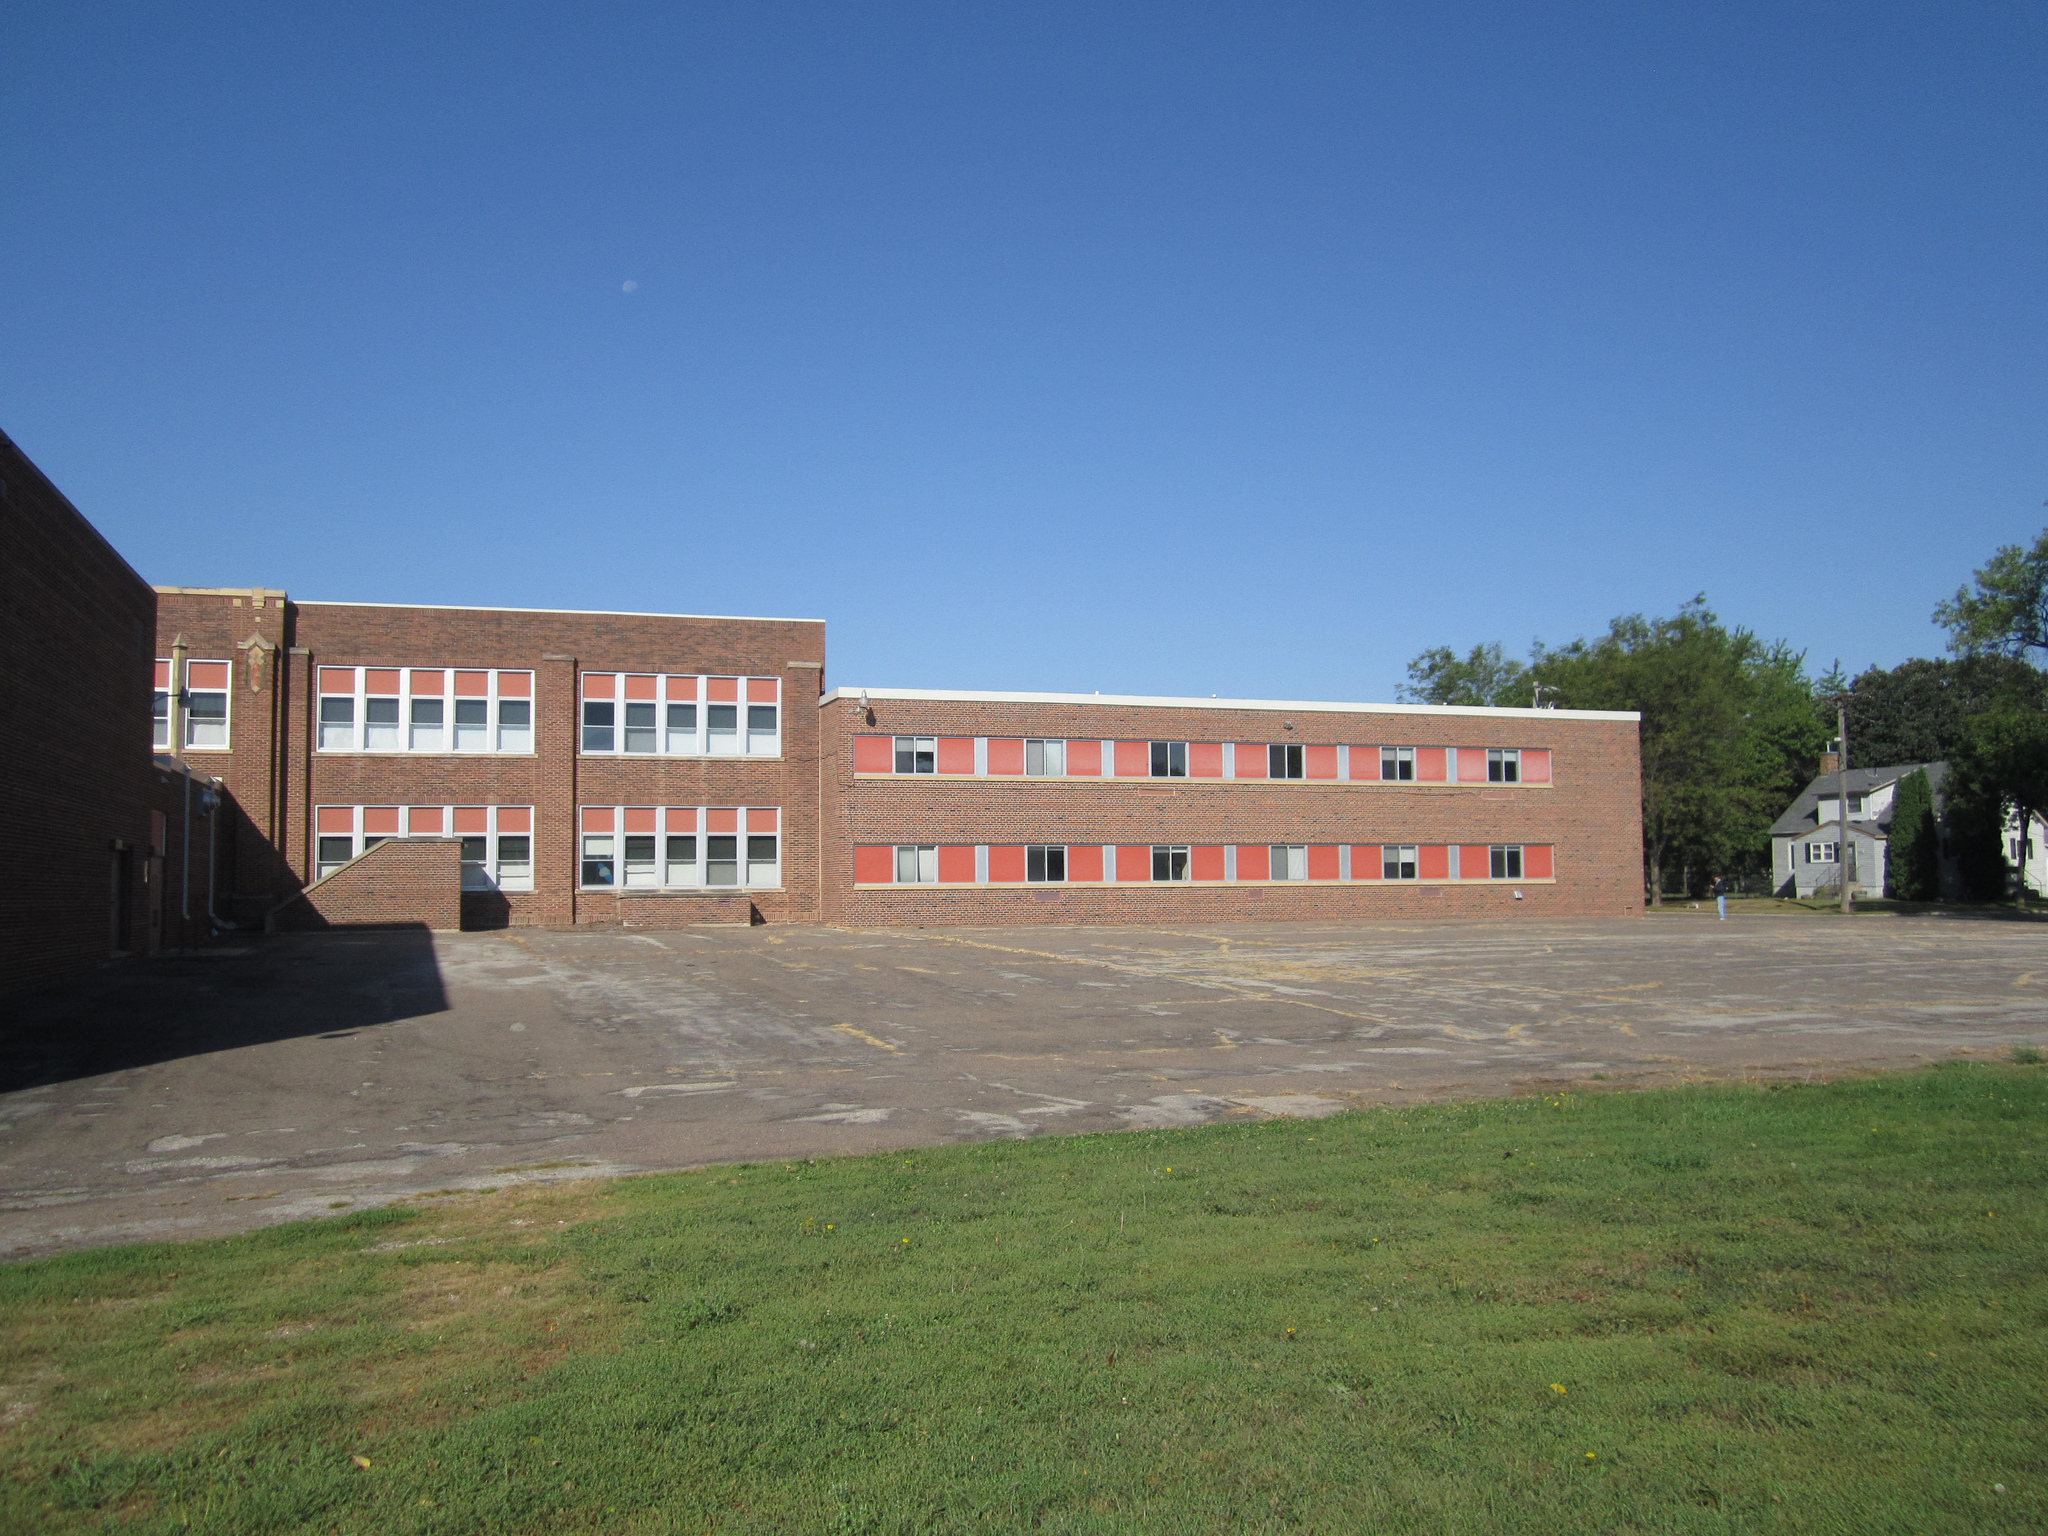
x=1842 y=854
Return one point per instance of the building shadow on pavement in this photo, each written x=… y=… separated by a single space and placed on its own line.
x=141 y=1012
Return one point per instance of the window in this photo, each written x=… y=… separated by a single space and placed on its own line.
x=1045 y=862
x=1822 y=853
x=640 y=869
x=1503 y=766
x=598 y=865
x=598 y=724
x=332 y=854
x=1397 y=763
x=380 y=725
x=1507 y=863
x=1045 y=759
x=1855 y=804
x=426 y=725
x=1283 y=760
x=917 y=864
x=206 y=718
x=515 y=725
x=653 y=848
x=160 y=716
x=763 y=867
x=337 y=724
x=515 y=862
x=678 y=715
x=917 y=754
x=424 y=709
x=1397 y=862
x=681 y=861
x=497 y=841
x=1290 y=861
x=1169 y=863
x=722 y=729
x=1169 y=759
x=721 y=861
x=640 y=727
x=472 y=725
x=761 y=732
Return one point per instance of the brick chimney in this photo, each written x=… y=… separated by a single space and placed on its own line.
x=1830 y=762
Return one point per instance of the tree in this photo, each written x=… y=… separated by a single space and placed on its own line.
x=1915 y=872
x=2007 y=613
x=2003 y=764
x=1441 y=676
x=1919 y=711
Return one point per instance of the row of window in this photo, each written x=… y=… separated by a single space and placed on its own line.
x=1058 y=863
x=1055 y=758
x=497 y=840
x=425 y=709
x=664 y=714
x=679 y=847
x=204 y=693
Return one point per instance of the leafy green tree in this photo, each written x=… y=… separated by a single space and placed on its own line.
x=1914 y=873
x=1487 y=676
x=2002 y=769
x=1919 y=711
x=2005 y=610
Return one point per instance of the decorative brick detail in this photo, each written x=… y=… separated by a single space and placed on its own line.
x=410 y=882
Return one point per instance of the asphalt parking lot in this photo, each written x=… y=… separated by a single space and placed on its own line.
x=300 y=1075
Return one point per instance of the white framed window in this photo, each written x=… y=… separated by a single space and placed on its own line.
x=475 y=711
x=1503 y=765
x=204 y=692
x=1397 y=861
x=1397 y=763
x=656 y=848
x=1045 y=863
x=1044 y=759
x=1169 y=863
x=679 y=860
x=917 y=864
x=1283 y=760
x=1505 y=861
x=1289 y=861
x=160 y=715
x=497 y=840
x=1823 y=853
x=917 y=754
x=1169 y=759
x=669 y=714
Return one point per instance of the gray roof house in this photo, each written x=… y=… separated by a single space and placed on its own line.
x=1806 y=842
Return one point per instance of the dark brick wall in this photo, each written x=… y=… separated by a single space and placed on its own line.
x=75 y=629
x=411 y=882
x=1591 y=814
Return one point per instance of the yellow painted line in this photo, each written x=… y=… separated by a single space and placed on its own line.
x=868 y=1039
x=2025 y=978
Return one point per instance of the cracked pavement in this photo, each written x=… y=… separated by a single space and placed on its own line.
x=298 y=1075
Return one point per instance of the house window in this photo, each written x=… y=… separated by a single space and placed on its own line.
x=1289 y=861
x=1506 y=862
x=917 y=754
x=681 y=862
x=1169 y=759
x=1045 y=862
x=1045 y=759
x=1503 y=766
x=1822 y=853
x=1283 y=760
x=424 y=709
x=1397 y=763
x=1169 y=863
x=1397 y=862
x=917 y=864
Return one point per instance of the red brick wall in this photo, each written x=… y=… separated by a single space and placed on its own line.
x=75 y=630
x=407 y=882
x=1591 y=814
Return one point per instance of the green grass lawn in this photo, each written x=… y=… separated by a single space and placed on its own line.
x=1809 y=1308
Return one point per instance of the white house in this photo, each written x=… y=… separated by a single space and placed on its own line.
x=1807 y=857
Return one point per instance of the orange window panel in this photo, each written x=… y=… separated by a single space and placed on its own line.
x=1254 y=861
x=761 y=690
x=639 y=818
x=641 y=687
x=1134 y=863
x=429 y=680
x=762 y=818
x=1475 y=862
x=515 y=685
x=722 y=690
x=335 y=818
x=332 y=679
x=515 y=818
x=1006 y=864
x=1319 y=763
x=1205 y=863
x=682 y=687
x=380 y=680
x=1536 y=862
x=874 y=754
x=1366 y=863
x=956 y=754
x=1535 y=766
x=163 y=676
x=722 y=818
x=472 y=685
x=874 y=866
x=1323 y=863
x=1134 y=761
x=380 y=820
x=1251 y=760
x=682 y=818
x=1433 y=863
x=1430 y=767
x=1205 y=761
x=206 y=674
x=471 y=819
x=600 y=685
x=1084 y=760
x=1471 y=765
x=1084 y=862
x=598 y=818
x=956 y=865
x=426 y=821
x=1006 y=754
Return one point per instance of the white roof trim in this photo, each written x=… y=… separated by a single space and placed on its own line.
x=620 y=613
x=956 y=696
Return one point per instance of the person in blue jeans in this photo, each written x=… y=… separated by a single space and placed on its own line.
x=1721 y=896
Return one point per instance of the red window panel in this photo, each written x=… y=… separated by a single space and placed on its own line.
x=1205 y=761
x=472 y=685
x=332 y=679
x=1471 y=765
x=1535 y=766
x=1006 y=863
x=380 y=821
x=1205 y=863
x=1536 y=862
x=472 y=819
x=600 y=685
x=599 y=818
x=515 y=685
x=1134 y=761
x=761 y=690
x=956 y=754
x=425 y=821
x=874 y=754
x=1475 y=863
x=163 y=677
x=1084 y=761
x=206 y=674
x=874 y=866
x=1134 y=863
x=429 y=681
x=956 y=865
x=679 y=687
x=762 y=818
x=1323 y=863
x=1433 y=863
x=1006 y=754
x=722 y=690
x=1430 y=767
x=722 y=818
x=1254 y=861
x=333 y=819
x=682 y=818
x=1366 y=862
x=1084 y=862
x=1252 y=761
x=1319 y=763
x=380 y=680
x=1365 y=762
x=515 y=818
x=641 y=687
x=639 y=818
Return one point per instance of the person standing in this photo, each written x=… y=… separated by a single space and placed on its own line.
x=1721 y=896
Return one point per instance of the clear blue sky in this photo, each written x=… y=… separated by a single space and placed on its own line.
x=1171 y=348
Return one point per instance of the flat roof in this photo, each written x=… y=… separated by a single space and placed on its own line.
x=1305 y=706
x=599 y=613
